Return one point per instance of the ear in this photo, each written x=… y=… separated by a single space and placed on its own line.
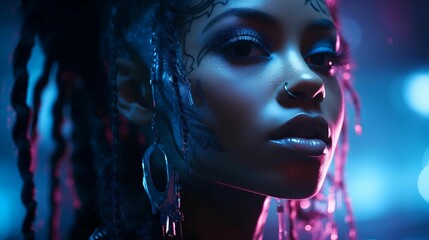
x=134 y=95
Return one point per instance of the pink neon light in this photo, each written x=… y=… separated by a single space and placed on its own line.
x=304 y=204
x=259 y=230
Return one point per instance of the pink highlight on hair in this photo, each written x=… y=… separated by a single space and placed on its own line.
x=56 y=214
x=292 y=218
x=57 y=195
x=338 y=43
x=71 y=187
x=33 y=152
x=347 y=76
x=331 y=2
x=281 y=219
x=347 y=84
x=259 y=230
x=331 y=205
x=352 y=233
x=348 y=66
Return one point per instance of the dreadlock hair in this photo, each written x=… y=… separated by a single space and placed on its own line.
x=70 y=44
x=20 y=129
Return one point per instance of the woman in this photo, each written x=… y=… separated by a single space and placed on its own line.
x=239 y=102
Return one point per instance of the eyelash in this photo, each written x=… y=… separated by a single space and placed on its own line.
x=225 y=41
x=222 y=43
x=335 y=58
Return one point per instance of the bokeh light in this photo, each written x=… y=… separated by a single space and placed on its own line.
x=369 y=178
x=423 y=183
x=416 y=92
x=352 y=31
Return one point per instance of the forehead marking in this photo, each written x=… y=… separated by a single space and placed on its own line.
x=318 y=6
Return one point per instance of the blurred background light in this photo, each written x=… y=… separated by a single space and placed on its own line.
x=425 y=160
x=423 y=183
x=351 y=31
x=5 y=215
x=416 y=92
x=368 y=185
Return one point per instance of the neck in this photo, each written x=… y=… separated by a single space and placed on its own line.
x=211 y=210
x=214 y=211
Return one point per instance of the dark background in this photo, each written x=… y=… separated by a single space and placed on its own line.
x=390 y=45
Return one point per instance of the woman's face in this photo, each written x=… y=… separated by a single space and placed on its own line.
x=246 y=130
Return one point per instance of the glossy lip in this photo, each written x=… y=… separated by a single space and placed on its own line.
x=306 y=134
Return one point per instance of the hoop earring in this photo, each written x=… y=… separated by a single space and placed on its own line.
x=166 y=202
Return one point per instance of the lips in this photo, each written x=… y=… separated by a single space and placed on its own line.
x=305 y=134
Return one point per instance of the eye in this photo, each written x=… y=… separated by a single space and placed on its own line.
x=322 y=58
x=239 y=45
x=244 y=46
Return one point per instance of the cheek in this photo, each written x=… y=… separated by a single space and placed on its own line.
x=230 y=104
x=333 y=106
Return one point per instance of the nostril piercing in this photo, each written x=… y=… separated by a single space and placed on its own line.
x=296 y=96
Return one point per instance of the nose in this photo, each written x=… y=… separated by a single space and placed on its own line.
x=301 y=85
x=305 y=87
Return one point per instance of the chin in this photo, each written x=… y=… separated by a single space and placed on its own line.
x=299 y=183
x=301 y=192
x=307 y=192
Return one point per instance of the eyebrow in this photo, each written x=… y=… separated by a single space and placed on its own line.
x=322 y=24
x=262 y=17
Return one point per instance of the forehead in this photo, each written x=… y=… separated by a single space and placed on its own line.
x=289 y=13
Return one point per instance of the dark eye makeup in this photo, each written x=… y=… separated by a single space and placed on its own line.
x=323 y=57
x=248 y=44
x=245 y=43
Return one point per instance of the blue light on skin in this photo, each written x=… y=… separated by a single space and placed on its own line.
x=416 y=91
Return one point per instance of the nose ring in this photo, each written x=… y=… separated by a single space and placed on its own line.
x=291 y=94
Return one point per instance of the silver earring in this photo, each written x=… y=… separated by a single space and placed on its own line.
x=291 y=94
x=190 y=97
x=167 y=202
